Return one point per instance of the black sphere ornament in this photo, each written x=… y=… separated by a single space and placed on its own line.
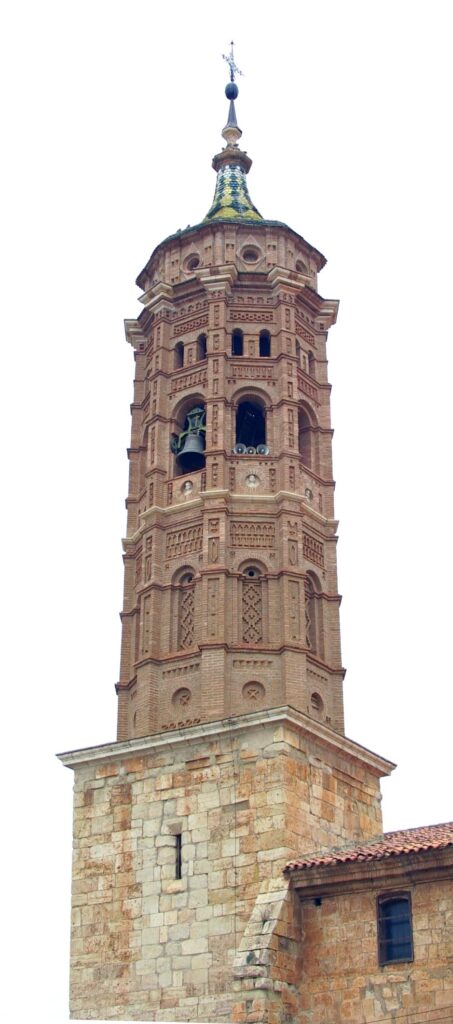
x=231 y=91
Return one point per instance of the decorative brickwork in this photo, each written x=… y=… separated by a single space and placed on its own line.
x=186 y=617
x=252 y=612
x=184 y=542
x=252 y=535
x=186 y=381
x=313 y=550
x=190 y=325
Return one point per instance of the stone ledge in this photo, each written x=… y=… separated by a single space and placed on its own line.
x=276 y=717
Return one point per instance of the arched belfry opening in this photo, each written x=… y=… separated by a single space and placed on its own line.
x=250 y=423
x=188 y=443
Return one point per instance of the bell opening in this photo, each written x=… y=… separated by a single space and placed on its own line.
x=189 y=445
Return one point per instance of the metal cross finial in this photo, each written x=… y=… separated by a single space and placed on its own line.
x=234 y=70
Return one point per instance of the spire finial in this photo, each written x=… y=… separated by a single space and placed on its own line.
x=231 y=200
x=234 y=70
x=231 y=132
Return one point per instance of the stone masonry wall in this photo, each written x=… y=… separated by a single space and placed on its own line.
x=221 y=942
x=341 y=981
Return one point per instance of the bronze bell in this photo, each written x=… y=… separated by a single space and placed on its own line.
x=191 y=456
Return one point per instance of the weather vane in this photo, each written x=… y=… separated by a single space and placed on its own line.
x=234 y=70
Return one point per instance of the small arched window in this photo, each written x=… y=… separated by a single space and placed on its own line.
x=317 y=704
x=305 y=439
x=395 y=929
x=202 y=346
x=250 y=424
x=237 y=343
x=311 y=364
x=299 y=352
x=265 y=343
x=178 y=356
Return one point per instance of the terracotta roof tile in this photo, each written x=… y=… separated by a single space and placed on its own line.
x=390 y=844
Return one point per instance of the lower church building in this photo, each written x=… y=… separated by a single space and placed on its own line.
x=229 y=861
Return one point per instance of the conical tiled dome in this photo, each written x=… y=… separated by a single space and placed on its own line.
x=231 y=198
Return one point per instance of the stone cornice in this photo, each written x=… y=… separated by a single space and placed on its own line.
x=134 y=333
x=278 y=718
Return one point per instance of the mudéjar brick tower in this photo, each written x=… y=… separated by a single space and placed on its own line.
x=231 y=756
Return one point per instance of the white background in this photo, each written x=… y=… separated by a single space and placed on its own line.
x=111 y=115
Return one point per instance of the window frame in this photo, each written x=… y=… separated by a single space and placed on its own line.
x=384 y=942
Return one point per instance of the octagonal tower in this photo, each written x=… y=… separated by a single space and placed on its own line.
x=230 y=512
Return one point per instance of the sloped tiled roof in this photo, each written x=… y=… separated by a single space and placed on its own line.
x=390 y=844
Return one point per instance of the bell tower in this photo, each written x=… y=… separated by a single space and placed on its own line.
x=231 y=757
x=231 y=601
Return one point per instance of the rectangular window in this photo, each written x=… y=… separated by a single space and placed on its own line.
x=395 y=928
x=178 y=855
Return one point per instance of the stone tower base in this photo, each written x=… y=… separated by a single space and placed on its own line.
x=180 y=908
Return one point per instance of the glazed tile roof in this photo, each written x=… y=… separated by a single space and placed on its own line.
x=232 y=200
x=391 y=844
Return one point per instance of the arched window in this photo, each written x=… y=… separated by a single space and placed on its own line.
x=313 y=615
x=265 y=343
x=395 y=928
x=305 y=439
x=237 y=343
x=202 y=346
x=250 y=424
x=316 y=704
x=186 y=611
x=311 y=364
x=178 y=356
x=252 y=605
x=299 y=353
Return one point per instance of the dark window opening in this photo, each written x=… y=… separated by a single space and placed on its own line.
x=305 y=438
x=202 y=346
x=179 y=355
x=299 y=352
x=237 y=343
x=250 y=424
x=178 y=855
x=265 y=343
x=394 y=929
x=311 y=364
